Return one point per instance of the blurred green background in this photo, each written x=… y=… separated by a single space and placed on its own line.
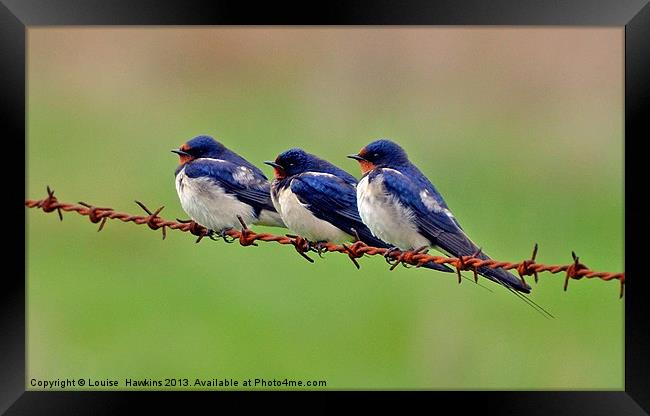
x=520 y=129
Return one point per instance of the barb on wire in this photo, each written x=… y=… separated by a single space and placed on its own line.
x=356 y=250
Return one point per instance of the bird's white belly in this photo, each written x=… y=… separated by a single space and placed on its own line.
x=386 y=218
x=209 y=205
x=301 y=221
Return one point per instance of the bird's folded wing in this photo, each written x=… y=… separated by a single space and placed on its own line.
x=433 y=221
x=334 y=200
x=440 y=227
x=245 y=184
x=327 y=196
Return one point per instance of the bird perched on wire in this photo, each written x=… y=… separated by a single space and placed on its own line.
x=401 y=206
x=317 y=200
x=215 y=185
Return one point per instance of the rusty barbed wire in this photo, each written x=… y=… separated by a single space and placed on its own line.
x=246 y=237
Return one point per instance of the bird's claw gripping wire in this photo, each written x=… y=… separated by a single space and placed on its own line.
x=153 y=218
x=222 y=235
x=227 y=237
x=319 y=247
x=388 y=254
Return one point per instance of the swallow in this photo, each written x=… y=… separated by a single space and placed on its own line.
x=215 y=185
x=402 y=207
x=317 y=200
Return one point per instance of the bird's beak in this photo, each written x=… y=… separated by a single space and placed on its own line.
x=180 y=152
x=278 y=169
x=365 y=165
x=356 y=157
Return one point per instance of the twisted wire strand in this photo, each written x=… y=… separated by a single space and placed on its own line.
x=358 y=249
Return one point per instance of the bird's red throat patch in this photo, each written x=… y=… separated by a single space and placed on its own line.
x=366 y=166
x=279 y=173
x=183 y=159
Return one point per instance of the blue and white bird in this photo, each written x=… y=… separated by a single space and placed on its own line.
x=318 y=201
x=215 y=185
x=401 y=206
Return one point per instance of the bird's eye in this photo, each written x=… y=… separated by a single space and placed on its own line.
x=375 y=155
x=290 y=164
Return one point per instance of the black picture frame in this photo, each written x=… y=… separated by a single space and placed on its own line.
x=17 y=15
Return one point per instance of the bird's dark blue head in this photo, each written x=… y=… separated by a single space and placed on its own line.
x=296 y=161
x=380 y=153
x=200 y=146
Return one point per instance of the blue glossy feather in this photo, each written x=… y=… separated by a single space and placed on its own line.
x=438 y=227
x=251 y=188
x=333 y=199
